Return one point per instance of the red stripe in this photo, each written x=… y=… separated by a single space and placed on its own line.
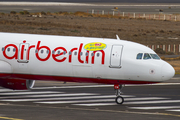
x=70 y=56
x=79 y=56
x=76 y=79
x=22 y=52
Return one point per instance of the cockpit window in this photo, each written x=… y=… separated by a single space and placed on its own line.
x=139 y=56
x=155 y=56
x=146 y=56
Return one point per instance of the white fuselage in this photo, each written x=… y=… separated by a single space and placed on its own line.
x=79 y=59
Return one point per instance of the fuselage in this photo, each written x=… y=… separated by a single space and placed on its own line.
x=80 y=59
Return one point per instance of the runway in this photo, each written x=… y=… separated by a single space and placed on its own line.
x=151 y=8
x=56 y=100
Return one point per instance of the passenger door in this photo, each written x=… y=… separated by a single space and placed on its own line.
x=115 y=57
x=22 y=58
x=23 y=52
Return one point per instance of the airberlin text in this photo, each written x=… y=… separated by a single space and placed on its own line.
x=58 y=57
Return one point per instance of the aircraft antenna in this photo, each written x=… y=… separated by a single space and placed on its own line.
x=117 y=37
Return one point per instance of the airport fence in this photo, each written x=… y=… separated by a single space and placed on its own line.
x=168 y=48
x=151 y=16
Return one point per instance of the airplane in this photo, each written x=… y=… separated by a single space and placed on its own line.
x=25 y=58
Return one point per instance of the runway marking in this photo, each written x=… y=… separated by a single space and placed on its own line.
x=153 y=102
x=174 y=110
x=144 y=98
x=3 y=104
x=50 y=95
x=96 y=104
x=22 y=93
x=99 y=100
x=64 y=98
x=9 y=90
x=5 y=90
x=86 y=99
x=7 y=118
x=127 y=103
x=44 y=4
x=155 y=108
x=175 y=78
x=94 y=86
x=80 y=101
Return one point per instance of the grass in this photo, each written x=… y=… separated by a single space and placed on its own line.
x=170 y=59
x=75 y=31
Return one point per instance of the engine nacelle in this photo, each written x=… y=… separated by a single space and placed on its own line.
x=17 y=84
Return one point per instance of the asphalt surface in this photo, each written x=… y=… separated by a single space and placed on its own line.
x=102 y=1
x=79 y=101
x=168 y=8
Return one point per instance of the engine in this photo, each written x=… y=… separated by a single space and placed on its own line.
x=17 y=84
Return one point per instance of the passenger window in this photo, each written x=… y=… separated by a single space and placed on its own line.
x=64 y=52
x=75 y=53
x=81 y=53
x=53 y=52
x=3 y=49
x=58 y=52
x=8 y=49
x=36 y=51
x=139 y=56
x=86 y=53
x=42 y=51
x=69 y=52
x=97 y=54
x=47 y=51
x=146 y=56
x=92 y=54
x=155 y=56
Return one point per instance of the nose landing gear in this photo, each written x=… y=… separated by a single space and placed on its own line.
x=119 y=99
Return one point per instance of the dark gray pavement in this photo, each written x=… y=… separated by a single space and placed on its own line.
x=168 y=8
x=101 y=1
x=59 y=101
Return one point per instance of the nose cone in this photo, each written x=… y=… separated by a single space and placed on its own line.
x=167 y=71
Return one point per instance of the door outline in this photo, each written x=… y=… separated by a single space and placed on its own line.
x=120 y=56
x=25 y=53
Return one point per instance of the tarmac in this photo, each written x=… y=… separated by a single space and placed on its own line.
x=79 y=101
x=166 y=8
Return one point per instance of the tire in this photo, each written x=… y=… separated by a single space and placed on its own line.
x=119 y=100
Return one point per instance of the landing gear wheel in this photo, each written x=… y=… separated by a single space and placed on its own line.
x=119 y=100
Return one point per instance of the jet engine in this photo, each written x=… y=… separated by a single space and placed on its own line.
x=17 y=84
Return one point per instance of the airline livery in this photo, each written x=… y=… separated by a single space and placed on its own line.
x=25 y=58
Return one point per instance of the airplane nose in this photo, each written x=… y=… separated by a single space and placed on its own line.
x=167 y=71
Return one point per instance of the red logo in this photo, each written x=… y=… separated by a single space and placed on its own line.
x=25 y=54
